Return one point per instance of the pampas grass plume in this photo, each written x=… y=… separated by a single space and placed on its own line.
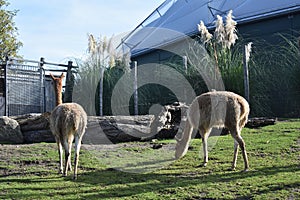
x=248 y=51
x=205 y=35
x=91 y=44
x=219 y=31
x=230 y=29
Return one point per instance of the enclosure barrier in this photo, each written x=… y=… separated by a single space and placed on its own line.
x=25 y=88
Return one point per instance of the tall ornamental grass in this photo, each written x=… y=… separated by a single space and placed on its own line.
x=225 y=51
x=102 y=60
x=274 y=69
x=274 y=77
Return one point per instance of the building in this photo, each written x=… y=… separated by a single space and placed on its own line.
x=174 y=21
x=179 y=18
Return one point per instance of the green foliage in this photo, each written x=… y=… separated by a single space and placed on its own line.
x=9 y=44
x=273 y=70
x=226 y=56
x=86 y=89
x=151 y=94
x=274 y=78
x=30 y=171
x=111 y=77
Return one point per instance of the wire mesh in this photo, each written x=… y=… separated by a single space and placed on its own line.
x=25 y=91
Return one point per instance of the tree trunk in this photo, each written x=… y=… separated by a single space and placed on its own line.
x=100 y=130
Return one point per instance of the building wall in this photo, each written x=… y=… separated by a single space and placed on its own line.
x=163 y=54
x=267 y=29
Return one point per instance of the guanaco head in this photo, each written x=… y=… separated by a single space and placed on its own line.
x=180 y=148
x=58 y=87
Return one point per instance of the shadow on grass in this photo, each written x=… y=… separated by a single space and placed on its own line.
x=125 y=184
x=111 y=183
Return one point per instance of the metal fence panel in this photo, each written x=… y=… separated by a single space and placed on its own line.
x=24 y=89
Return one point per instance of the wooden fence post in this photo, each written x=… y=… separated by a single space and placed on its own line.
x=42 y=62
x=69 y=83
x=42 y=82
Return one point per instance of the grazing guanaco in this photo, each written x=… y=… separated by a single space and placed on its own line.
x=216 y=109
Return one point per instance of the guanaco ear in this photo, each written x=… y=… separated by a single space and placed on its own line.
x=62 y=75
x=51 y=75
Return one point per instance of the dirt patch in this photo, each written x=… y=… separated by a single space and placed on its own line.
x=24 y=159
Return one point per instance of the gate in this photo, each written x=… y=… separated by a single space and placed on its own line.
x=24 y=91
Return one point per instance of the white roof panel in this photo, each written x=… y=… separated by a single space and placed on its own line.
x=183 y=16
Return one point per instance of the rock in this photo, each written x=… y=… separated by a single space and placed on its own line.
x=157 y=146
x=37 y=136
x=31 y=122
x=10 y=131
x=35 y=127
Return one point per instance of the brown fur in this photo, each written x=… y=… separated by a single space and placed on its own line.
x=57 y=84
x=216 y=109
x=67 y=122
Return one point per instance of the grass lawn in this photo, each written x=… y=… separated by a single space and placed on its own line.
x=30 y=171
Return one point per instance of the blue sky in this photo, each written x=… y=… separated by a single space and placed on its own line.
x=57 y=29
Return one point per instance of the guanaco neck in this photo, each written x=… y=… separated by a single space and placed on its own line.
x=57 y=83
x=58 y=95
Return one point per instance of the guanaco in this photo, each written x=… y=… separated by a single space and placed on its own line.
x=67 y=122
x=216 y=109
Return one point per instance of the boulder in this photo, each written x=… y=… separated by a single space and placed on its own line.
x=35 y=127
x=37 y=136
x=30 y=122
x=10 y=131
